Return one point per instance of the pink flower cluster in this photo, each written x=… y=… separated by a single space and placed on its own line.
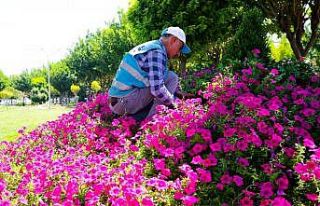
x=252 y=143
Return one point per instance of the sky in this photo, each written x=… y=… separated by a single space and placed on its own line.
x=35 y=32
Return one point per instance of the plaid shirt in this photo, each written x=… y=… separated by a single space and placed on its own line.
x=155 y=62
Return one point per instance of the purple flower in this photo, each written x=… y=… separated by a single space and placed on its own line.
x=266 y=190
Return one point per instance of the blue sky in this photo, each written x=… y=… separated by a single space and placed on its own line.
x=34 y=32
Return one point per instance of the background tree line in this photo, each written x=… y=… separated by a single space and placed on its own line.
x=217 y=31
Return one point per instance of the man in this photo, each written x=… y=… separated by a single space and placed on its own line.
x=143 y=78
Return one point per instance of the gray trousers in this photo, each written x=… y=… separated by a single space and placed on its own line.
x=140 y=98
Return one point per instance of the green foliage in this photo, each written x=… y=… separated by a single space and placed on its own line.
x=281 y=51
x=98 y=56
x=250 y=34
x=208 y=24
x=38 y=81
x=22 y=82
x=4 y=80
x=300 y=71
x=10 y=93
x=61 y=77
x=39 y=95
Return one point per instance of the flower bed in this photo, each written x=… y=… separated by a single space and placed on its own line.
x=253 y=142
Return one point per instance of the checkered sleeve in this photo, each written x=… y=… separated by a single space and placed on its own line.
x=157 y=62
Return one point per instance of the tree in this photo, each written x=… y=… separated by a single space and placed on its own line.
x=208 y=24
x=292 y=18
x=60 y=77
x=281 y=51
x=22 y=82
x=4 y=80
x=98 y=56
x=250 y=34
x=10 y=93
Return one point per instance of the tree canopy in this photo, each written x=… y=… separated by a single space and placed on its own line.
x=293 y=17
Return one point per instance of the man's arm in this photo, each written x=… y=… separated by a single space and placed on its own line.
x=157 y=65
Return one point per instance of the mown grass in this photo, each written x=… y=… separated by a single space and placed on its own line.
x=13 y=118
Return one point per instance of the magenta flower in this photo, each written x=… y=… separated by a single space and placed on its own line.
x=246 y=201
x=266 y=190
x=274 y=141
x=220 y=186
x=2 y=185
x=147 y=202
x=161 y=185
x=256 y=52
x=274 y=72
x=283 y=184
x=215 y=147
x=274 y=103
x=280 y=201
x=312 y=197
x=189 y=200
x=115 y=191
x=204 y=175
x=243 y=162
x=307 y=112
x=229 y=132
x=263 y=112
x=226 y=179
x=159 y=164
x=238 y=180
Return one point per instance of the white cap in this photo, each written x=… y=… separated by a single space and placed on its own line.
x=179 y=33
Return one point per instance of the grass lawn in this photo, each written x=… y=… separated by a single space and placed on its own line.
x=12 y=118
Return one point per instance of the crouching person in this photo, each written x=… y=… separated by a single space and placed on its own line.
x=143 y=80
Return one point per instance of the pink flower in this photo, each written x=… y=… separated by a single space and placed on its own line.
x=274 y=103
x=229 y=132
x=197 y=148
x=243 y=162
x=166 y=172
x=197 y=160
x=274 y=72
x=161 y=185
x=114 y=191
x=189 y=200
x=238 y=180
x=266 y=202
x=178 y=195
x=147 y=202
x=204 y=175
x=2 y=185
x=282 y=183
x=260 y=66
x=266 y=190
x=226 y=179
x=309 y=142
x=307 y=112
x=280 y=201
x=312 y=197
x=242 y=145
x=274 y=141
x=220 y=186
x=256 y=52
x=191 y=188
x=263 y=112
x=290 y=152
x=215 y=147
x=246 y=201
x=159 y=164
